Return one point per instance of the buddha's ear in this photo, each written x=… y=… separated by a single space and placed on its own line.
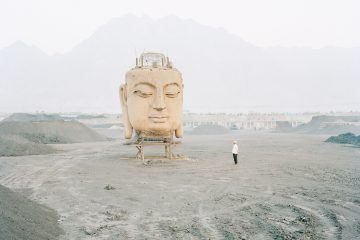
x=128 y=129
x=179 y=131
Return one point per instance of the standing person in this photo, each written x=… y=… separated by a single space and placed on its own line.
x=235 y=151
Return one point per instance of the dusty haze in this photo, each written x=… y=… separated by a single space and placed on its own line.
x=238 y=75
x=287 y=57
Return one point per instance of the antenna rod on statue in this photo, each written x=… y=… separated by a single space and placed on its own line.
x=136 y=57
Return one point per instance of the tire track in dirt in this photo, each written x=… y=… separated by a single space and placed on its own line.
x=205 y=220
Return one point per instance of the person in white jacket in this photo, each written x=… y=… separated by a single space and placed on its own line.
x=235 y=151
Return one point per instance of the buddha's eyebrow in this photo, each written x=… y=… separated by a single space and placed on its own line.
x=144 y=83
x=174 y=83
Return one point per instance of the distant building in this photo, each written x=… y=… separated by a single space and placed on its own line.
x=256 y=121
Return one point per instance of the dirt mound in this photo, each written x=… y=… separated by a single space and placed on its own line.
x=346 y=138
x=326 y=125
x=51 y=131
x=106 y=125
x=22 y=218
x=26 y=117
x=209 y=130
x=283 y=126
x=14 y=145
x=87 y=116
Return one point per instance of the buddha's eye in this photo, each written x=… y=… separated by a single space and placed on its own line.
x=143 y=90
x=143 y=94
x=172 y=90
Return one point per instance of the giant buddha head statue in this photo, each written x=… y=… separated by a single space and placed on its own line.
x=152 y=98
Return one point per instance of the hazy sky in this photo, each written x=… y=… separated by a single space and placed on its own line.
x=56 y=26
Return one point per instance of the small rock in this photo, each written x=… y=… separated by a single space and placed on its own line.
x=109 y=187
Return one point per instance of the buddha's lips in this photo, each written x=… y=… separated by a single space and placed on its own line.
x=159 y=118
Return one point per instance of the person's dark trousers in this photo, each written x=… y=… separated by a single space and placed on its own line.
x=235 y=158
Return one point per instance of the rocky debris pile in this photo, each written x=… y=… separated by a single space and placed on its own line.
x=346 y=138
x=283 y=126
x=27 y=117
x=51 y=132
x=21 y=218
x=107 y=126
x=14 y=145
x=331 y=125
x=19 y=138
x=209 y=130
x=88 y=116
x=324 y=125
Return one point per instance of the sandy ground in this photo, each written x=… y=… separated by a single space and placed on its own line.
x=286 y=186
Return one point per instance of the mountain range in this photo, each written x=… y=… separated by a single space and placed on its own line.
x=221 y=71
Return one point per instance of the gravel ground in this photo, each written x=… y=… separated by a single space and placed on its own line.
x=286 y=186
x=21 y=218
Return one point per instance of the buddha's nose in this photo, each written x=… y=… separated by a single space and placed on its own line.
x=159 y=101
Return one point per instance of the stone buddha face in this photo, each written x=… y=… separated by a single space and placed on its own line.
x=152 y=100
